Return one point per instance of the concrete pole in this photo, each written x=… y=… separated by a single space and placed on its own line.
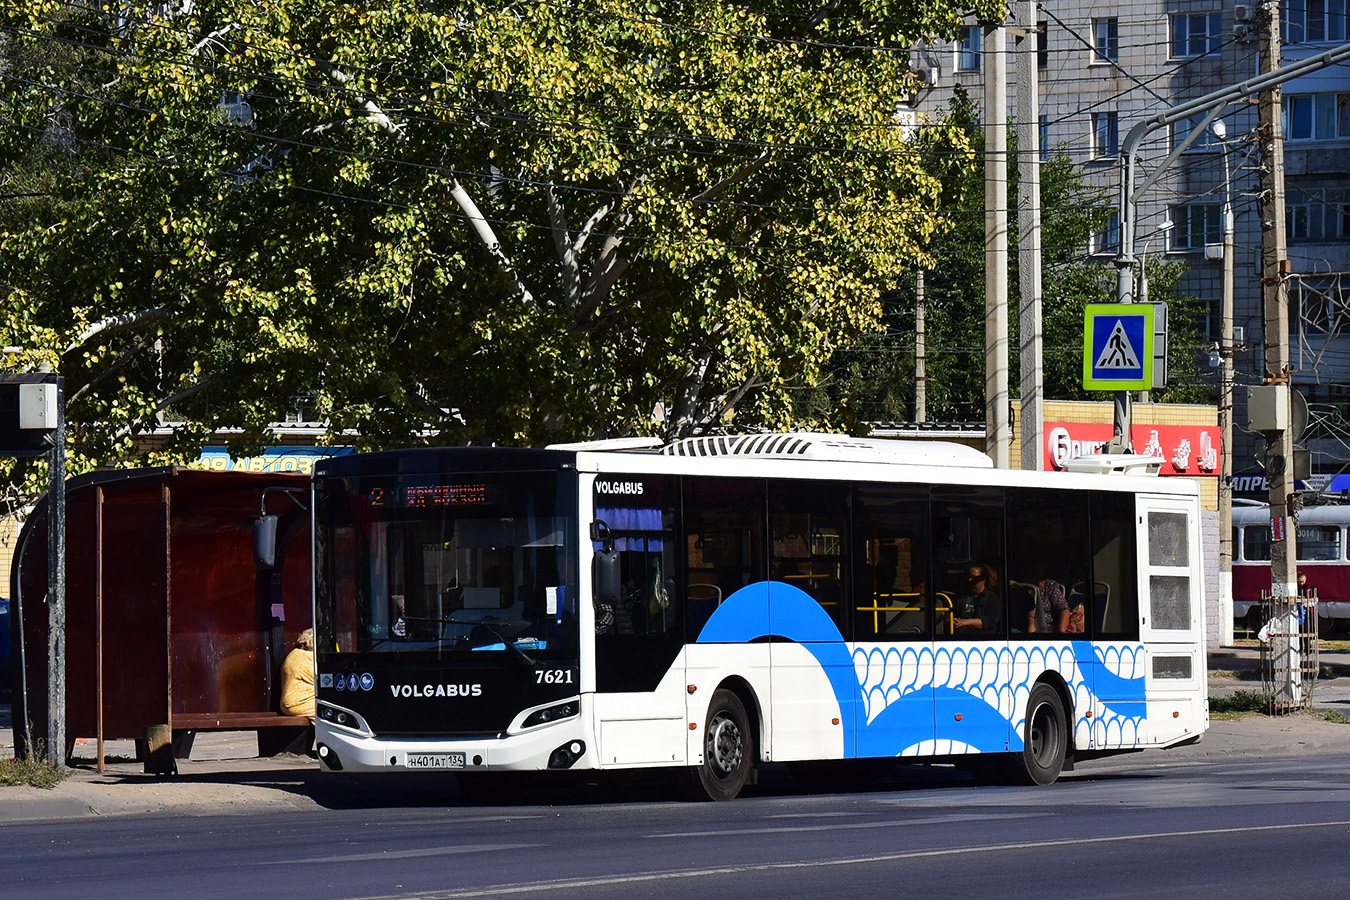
x=997 y=438
x=1226 y=409
x=56 y=584
x=920 y=374
x=1032 y=389
x=1275 y=303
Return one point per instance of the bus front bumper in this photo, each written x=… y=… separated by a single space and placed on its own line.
x=562 y=745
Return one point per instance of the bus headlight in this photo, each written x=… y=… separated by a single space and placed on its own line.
x=343 y=718
x=553 y=713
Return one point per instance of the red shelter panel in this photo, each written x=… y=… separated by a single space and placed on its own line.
x=160 y=567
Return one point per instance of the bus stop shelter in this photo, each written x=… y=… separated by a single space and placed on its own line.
x=172 y=625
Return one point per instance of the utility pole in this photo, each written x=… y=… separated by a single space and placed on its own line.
x=1275 y=306
x=1029 y=234
x=920 y=375
x=1226 y=404
x=56 y=583
x=997 y=442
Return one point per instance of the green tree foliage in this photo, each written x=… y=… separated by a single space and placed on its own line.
x=874 y=380
x=514 y=222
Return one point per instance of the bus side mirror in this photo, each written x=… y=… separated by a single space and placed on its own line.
x=606 y=569
x=607 y=577
x=265 y=542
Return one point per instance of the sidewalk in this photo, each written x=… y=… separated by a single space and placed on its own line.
x=224 y=775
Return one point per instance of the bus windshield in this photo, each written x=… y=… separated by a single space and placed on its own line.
x=449 y=564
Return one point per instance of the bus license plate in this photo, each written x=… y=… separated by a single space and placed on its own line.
x=435 y=761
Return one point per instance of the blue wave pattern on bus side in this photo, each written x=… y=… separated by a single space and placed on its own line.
x=967 y=678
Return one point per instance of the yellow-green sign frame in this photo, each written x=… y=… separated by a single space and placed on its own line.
x=1118 y=346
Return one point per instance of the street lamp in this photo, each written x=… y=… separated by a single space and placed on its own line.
x=1220 y=131
x=1160 y=231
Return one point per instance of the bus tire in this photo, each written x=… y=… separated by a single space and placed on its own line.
x=1045 y=738
x=728 y=751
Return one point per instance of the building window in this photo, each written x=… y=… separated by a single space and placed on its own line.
x=1195 y=225
x=1322 y=301
x=968 y=51
x=1108 y=239
x=1105 y=134
x=1317 y=215
x=1042 y=44
x=1105 y=40
x=1203 y=141
x=1043 y=136
x=1316 y=117
x=1196 y=35
x=1314 y=21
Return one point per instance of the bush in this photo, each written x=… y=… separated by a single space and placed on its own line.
x=1240 y=702
x=35 y=771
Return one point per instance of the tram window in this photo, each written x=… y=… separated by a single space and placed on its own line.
x=724 y=542
x=1115 y=603
x=891 y=601
x=967 y=527
x=1319 y=543
x=1256 y=543
x=1049 y=592
x=808 y=531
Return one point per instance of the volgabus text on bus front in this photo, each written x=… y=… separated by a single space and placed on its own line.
x=1184 y=449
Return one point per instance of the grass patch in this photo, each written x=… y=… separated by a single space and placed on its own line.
x=1334 y=716
x=1239 y=703
x=35 y=771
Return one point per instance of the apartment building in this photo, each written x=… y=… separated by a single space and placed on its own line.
x=1103 y=66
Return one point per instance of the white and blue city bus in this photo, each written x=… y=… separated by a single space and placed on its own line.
x=717 y=603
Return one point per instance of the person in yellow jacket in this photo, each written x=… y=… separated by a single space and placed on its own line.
x=297 y=678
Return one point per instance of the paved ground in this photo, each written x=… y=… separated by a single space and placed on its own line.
x=225 y=776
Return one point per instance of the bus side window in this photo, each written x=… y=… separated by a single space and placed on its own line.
x=1048 y=556
x=891 y=601
x=808 y=528
x=968 y=540
x=724 y=543
x=1115 y=610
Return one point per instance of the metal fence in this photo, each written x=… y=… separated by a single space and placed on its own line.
x=1289 y=648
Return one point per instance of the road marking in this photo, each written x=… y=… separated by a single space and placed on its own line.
x=890 y=823
x=399 y=854
x=571 y=884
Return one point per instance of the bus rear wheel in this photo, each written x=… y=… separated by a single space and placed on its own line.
x=1045 y=738
x=728 y=751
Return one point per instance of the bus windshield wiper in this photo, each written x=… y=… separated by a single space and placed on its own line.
x=510 y=645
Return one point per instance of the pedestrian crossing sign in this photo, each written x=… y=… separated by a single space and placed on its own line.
x=1118 y=347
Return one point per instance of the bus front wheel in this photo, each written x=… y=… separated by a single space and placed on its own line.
x=1045 y=738
x=728 y=751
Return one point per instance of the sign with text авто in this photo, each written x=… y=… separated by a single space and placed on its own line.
x=1118 y=346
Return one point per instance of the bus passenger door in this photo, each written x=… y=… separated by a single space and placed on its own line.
x=639 y=667
x=1171 y=619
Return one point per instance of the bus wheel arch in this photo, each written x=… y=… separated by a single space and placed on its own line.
x=1047 y=739
x=731 y=738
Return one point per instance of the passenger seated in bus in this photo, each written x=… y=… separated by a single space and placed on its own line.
x=1049 y=613
x=978 y=608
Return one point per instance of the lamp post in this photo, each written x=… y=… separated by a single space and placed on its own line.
x=1220 y=131
x=1160 y=231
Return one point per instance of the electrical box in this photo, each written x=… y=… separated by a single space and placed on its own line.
x=37 y=407
x=1268 y=407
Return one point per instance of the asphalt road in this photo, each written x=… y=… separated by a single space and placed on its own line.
x=1150 y=825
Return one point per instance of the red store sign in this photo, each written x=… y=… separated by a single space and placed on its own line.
x=1185 y=449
